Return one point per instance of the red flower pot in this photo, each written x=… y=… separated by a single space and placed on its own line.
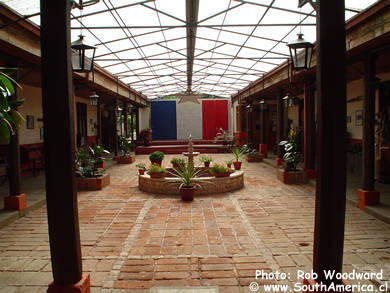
x=187 y=193
x=206 y=164
x=224 y=174
x=237 y=165
x=156 y=162
x=229 y=165
x=141 y=171
x=157 y=175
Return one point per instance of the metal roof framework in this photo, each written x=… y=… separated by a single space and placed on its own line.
x=164 y=47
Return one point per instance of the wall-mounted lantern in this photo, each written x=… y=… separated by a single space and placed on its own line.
x=301 y=53
x=118 y=111
x=94 y=99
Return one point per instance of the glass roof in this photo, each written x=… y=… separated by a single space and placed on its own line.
x=154 y=45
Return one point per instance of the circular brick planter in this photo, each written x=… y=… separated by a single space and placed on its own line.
x=210 y=184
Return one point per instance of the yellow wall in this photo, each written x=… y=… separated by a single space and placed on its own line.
x=32 y=106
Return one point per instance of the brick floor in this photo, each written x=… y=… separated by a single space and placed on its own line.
x=132 y=241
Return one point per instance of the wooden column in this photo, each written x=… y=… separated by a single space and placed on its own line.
x=132 y=126
x=309 y=130
x=262 y=125
x=369 y=123
x=331 y=143
x=367 y=195
x=279 y=121
x=58 y=113
x=137 y=124
x=99 y=122
x=125 y=122
x=114 y=131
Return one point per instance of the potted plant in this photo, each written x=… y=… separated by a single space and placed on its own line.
x=186 y=176
x=252 y=155
x=292 y=156
x=156 y=171
x=238 y=152
x=219 y=170
x=146 y=136
x=229 y=163
x=206 y=160
x=89 y=177
x=223 y=135
x=10 y=118
x=177 y=162
x=156 y=157
x=141 y=168
x=98 y=154
x=125 y=147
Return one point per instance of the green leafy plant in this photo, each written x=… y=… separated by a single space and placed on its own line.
x=239 y=151
x=177 y=161
x=229 y=162
x=218 y=168
x=98 y=153
x=205 y=159
x=10 y=118
x=156 y=156
x=186 y=175
x=86 y=164
x=223 y=135
x=292 y=148
x=156 y=169
x=125 y=145
x=141 y=166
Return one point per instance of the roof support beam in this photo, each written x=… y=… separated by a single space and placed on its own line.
x=192 y=10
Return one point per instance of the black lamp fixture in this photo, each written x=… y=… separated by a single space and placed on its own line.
x=82 y=55
x=118 y=110
x=249 y=108
x=287 y=101
x=130 y=108
x=94 y=99
x=301 y=52
x=80 y=4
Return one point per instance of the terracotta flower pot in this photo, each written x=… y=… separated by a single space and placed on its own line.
x=206 y=164
x=141 y=171
x=157 y=175
x=237 y=165
x=187 y=193
x=156 y=162
x=222 y=174
x=100 y=165
x=229 y=165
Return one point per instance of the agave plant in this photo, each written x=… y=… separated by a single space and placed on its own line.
x=10 y=118
x=186 y=175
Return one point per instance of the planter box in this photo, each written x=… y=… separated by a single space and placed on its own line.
x=101 y=165
x=291 y=177
x=126 y=159
x=156 y=175
x=97 y=183
x=254 y=157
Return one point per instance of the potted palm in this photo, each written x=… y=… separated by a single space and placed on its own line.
x=219 y=170
x=141 y=168
x=125 y=147
x=186 y=176
x=156 y=171
x=290 y=174
x=238 y=152
x=98 y=154
x=206 y=160
x=229 y=163
x=156 y=157
x=177 y=162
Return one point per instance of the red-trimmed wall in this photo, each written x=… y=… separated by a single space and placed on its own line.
x=214 y=116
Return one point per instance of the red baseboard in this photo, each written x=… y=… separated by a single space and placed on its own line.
x=15 y=202
x=82 y=286
x=367 y=197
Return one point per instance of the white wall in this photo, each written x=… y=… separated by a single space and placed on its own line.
x=144 y=118
x=189 y=120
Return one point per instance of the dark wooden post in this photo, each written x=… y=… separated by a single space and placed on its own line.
x=263 y=131
x=309 y=130
x=125 y=122
x=331 y=146
x=249 y=115
x=99 y=122
x=368 y=195
x=280 y=126
x=16 y=200
x=114 y=128
x=132 y=126
x=137 y=123
x=58 y=113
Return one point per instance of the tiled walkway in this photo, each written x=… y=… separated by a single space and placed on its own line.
x=132 y=241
